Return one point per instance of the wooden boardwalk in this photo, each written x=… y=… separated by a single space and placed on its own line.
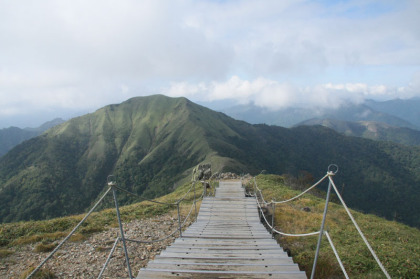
x=227 y=241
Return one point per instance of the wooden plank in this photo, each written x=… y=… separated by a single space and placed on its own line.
x=209 y=254
x=224 y=260
x=244 y=252
x=227 y=241
x=152 y=273
x=221 y=267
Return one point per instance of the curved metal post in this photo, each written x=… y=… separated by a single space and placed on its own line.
x=122 y=233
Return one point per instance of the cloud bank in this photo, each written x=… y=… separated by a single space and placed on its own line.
x=275 y=95
x=80 y=55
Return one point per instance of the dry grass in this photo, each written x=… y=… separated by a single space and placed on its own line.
x=397 y=245
x=43 y=273
x=45 y=247
x=4 y=253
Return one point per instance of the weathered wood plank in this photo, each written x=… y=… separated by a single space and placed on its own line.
x=227 y=241
x=153 y=273
x=221 y=267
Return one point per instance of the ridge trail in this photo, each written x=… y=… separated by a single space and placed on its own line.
x=227 y=241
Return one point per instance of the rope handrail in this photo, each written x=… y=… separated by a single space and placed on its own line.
x=183 y=197
x=304 y=192
x=336 y=254
x=68 y=236
x=359 y=230
x=140 y=197
x=279 y=232
x=168 y=236
x=329 y=175
x=113 y=186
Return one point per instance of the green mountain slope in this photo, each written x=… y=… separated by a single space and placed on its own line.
x=150 y=142
x=369 y=130
x=12 y=136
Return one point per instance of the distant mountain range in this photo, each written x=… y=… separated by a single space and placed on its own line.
x=397 y=113
x=12 y=136
x=151 y=143
x=370 y=130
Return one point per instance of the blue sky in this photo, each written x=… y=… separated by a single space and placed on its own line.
x=64 y=58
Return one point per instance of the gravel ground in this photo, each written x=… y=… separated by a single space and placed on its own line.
x=84 y=259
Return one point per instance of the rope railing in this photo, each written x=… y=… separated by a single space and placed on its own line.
x=329 y=175
x=168 y=236
x=360 y=231
x=112 y=185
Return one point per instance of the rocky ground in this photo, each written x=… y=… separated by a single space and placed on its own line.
x=84 y=259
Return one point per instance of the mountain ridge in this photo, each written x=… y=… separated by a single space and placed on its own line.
x=151 y=143
x=399 y=113
x=369 y=129
x=12 y=136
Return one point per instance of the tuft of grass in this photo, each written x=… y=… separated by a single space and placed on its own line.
x=43 y=273
x=77 y=237
x=4 y=253
x=39 y=237
x=45 y=247
x=396 y=245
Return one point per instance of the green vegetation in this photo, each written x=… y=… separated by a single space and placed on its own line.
x=44 y=233
x=397 y=245
x=152 y=143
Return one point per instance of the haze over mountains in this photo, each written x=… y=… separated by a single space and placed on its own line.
x=398 y=113
x=150 y=143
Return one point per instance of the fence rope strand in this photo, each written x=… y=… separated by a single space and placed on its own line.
x=329 y=174
x=360 y=231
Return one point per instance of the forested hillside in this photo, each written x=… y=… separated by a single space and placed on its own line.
x=150 y=142
x=12 y=136
x=370 y=130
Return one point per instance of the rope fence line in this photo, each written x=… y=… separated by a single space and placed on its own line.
x=336 y=254
x=360 y=231
x=321 y=232
x=113 y=186
x=68 y=236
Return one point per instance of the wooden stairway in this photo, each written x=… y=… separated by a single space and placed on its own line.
x=227 y=241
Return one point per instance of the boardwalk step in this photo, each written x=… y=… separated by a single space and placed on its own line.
x=227 y=241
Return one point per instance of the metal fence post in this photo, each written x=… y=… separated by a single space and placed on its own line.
x=273 y=205
x=195 y=203
x=321 y=231
x=179 y=221
x=121 y=231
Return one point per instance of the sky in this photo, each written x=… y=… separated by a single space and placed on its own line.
x=65 y=58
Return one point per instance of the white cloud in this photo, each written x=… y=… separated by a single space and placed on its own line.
x=275 y=95
x=85 y=54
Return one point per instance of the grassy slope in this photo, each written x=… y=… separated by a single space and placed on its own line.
x=397 y=245
x=148 y=143
x=19 y=233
